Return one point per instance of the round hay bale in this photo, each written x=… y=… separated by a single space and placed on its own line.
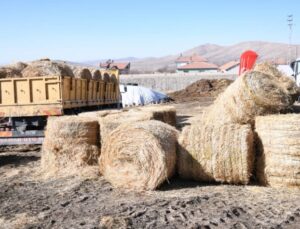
x=278 y=161
x=70 y=145
x=106 y=77
x=9 y=72
x=252 y=94
x=268 y=69
x=113 y=78
x=166 y=114
x=111 y=121
x=96 y=74
x=139 y=156
x=82 y=73
x=47 y=68
x=216 y=153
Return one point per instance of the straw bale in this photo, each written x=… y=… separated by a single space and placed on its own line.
x=96 y=74
x=19 y=66
x=139 y=156
x=82 y=73
x=252 y=94
x=166 y=114
x=70 y=145
x=278 y=161
x=216 y=153
x=47 y=68
x=106 y=77
x=268 y=68
x=113 y=78
x=114 y=118
x=110 y=122
x=8 y=72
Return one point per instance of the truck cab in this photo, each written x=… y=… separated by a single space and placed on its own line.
x=295 y=65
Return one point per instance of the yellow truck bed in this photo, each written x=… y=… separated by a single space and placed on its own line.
x=51 y=95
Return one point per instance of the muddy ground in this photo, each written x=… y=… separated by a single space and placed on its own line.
x=73 y=202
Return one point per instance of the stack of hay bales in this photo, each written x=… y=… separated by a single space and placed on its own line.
x=70 y=145
x=219 y=144
x=259 y=92
x=278 y=162
x=139 y=156
x=111 y=119
x=110 y=122
x=47 y=68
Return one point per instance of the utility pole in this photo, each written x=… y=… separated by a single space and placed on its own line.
x=290 y=21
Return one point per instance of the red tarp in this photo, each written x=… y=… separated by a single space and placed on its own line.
x=247 y=61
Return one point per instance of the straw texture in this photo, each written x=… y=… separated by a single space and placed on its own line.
x=278 y=162
x=82 y=73
x=262 y=91
x=216 y=153
x=46 y=68
x=139 y=156
x=70 y=145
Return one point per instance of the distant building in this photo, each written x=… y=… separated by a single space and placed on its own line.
x=194 y=64
x=231 y=67
x=124 y=68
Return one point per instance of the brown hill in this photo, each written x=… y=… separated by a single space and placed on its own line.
x=218 y=55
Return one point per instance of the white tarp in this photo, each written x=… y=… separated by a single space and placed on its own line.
x=138 y=95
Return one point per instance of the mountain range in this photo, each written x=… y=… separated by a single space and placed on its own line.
x=216 y=54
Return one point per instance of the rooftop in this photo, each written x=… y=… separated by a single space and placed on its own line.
x=199 y=65
x=229 y=65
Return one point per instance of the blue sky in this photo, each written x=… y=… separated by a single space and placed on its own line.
x=81 y=30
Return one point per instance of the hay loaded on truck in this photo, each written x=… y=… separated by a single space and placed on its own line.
x=26 y=103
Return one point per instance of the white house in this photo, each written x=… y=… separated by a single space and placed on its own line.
x=231 y=67
x=194 y=64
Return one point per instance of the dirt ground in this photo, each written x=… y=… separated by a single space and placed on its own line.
x=200 y=90
x=74 y=202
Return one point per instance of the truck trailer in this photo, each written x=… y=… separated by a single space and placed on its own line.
x=26 y=103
